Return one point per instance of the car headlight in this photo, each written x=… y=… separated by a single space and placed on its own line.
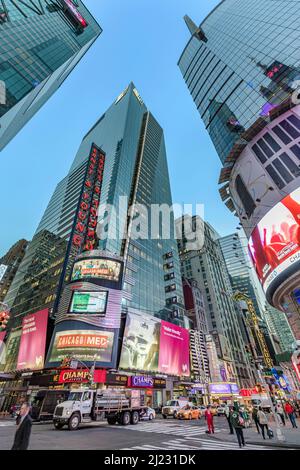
x=68 y=412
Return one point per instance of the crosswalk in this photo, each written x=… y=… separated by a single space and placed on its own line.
x=197 y=444
x=173 y=429
x=7 y=423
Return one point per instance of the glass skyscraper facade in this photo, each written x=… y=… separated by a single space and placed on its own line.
x=135 y=169
x=239 y=63
x=40 y=44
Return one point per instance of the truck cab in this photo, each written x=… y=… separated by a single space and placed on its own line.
x=78 y=408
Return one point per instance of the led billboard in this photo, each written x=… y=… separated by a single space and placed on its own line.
x=88 y=302
x=33 y=341
x=105 y=269
x=150 y=344
x=274 y=244
x=85 y=345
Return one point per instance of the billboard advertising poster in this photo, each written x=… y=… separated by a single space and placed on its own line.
x=220 y=388
x=174 y=350
x=88 y=302
x=84 y=345
x=274 y=244
x=105 y=269
x=33 y=341
x=151 y=344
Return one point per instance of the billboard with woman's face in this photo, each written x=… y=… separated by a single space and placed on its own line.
x=151 y=344
x=274 y=245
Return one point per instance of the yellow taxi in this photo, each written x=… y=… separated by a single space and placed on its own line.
x=189 y=412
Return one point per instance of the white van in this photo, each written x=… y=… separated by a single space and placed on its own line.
x=173 y=406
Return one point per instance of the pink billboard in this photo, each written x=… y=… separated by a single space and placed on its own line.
x=174 y=357
x=33 y=341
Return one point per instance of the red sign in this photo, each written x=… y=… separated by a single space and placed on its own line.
x=33 y=341
x=84 y=237
x=2 y=336
x=71 y=8
x=81 y=376
x=83 y=341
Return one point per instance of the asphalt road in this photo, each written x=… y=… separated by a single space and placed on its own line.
x=159 y=434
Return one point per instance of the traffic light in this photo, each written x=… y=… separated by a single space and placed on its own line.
x=4 y=317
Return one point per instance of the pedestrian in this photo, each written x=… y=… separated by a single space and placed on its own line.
x=227 y=414
x=237 y=422
x=297 y=408
x=279 y=410
x=290 y=411
x=245 y=415
x=255 y=418
x=209 y=420
x=263 y=422
x=23 y=431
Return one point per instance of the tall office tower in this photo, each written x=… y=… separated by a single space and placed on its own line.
x=280 y=328
x=195 y=311
x=135 y=169
x=9 y=264
x=207 y=267
x=241 y=66
x=40 y=44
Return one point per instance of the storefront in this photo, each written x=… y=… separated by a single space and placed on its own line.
x=152 y=389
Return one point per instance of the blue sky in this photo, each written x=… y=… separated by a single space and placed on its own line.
x=141 y=42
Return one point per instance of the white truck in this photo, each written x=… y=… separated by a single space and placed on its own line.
x=261 y=400
x=172 y=407
x=87 y=405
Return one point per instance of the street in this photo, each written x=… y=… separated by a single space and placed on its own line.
x=156 y=435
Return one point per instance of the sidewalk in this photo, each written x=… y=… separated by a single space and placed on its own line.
x=251 y=435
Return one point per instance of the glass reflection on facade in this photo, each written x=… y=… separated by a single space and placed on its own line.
x=240 y=63
x=40 y=43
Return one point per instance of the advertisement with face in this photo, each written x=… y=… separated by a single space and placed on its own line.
x=174 y=356
x=140 y=343
x=33 y=341
x=84 y=345
x=151 y=344
x=275 y=242
x=105 y=269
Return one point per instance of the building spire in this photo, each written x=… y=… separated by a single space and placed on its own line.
x=193 y=28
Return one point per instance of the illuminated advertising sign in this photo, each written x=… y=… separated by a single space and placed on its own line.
x=88 y=302
x=224 y=388
x=84 y=345
x=104 y=269
x=150 y=344
x=81 y=376
x=296 y=363
x=141 y=381
x=74 y=13
x=274 y=244
x=84 y=232
x=33 y=341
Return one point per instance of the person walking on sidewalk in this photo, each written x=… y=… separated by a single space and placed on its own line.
x=290 y=411
x=279 y=410
x=263 y=422
x=255 y=418
x=209 y=420
x=24 y=424
x=227 y=414
x=237 y=423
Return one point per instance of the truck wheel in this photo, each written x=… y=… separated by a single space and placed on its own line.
x=164 y=416
x=58 y=425
x=134 y=419
x=125 y=418
x=151 y=417
x=175 y=415
x=74 y=422
x=112 y=420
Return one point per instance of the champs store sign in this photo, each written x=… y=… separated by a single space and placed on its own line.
x=84 y=233
x=80 y=376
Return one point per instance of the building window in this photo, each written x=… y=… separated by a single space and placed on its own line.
x=245 y=196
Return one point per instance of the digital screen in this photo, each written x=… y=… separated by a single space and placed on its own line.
x=274 y=244
x=85 y=345
x=151 y=344
x=71 y=8
x=88 y=302
x=297 y=295
x=96 y=268
x=33 y=341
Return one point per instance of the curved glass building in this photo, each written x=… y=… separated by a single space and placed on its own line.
x=241 y=66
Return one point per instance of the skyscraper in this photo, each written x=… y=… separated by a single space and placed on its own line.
x=9 y=264
x=40 y=44
x=208 y=268
x=241 y=67
x=135 y=170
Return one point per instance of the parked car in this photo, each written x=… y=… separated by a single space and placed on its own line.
x=172 y=407
x=148 y=414
x=189 y=412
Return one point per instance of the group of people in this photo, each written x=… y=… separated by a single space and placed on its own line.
x=238 y=418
